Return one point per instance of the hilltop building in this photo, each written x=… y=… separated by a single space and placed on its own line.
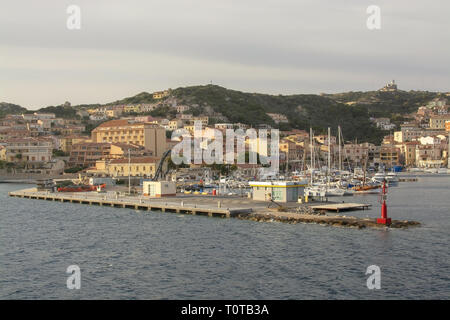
x=278 y=117
x=161 y=94
x=390 y=87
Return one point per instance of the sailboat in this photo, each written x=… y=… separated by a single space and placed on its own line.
x=364 y=188
x=324 y=189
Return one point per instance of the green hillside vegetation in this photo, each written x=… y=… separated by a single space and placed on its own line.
x=387 y=104
x=303 y=111
x=9 y=108
x=350 y=110
x=65 y=112
x=143 y=97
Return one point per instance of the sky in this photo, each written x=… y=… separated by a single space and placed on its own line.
x=269 y=46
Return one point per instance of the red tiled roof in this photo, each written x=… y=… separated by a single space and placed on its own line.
x=136 y=160
x=116 y=123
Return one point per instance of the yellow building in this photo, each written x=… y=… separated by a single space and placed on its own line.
x=390 y=155
x=175 y=124
x=132 y=108
x=138 y=167
x=2 y=153
x=160 y=94
x=113 y=113
x=151 y=136
x=204 y=120
x=438 y=122
x=409 y=152
x=190 y=129
x=67 y=142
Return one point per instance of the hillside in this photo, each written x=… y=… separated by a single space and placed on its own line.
x=350 y=110
x=143 y=97
x=65 y=112
x=386 y=104
x=9 y=108
x=303 y=110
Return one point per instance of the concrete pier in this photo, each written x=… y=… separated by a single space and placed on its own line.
x=132 y=203
x=225 y=207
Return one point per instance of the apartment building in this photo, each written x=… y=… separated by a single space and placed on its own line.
x=355 y=154
x=390 y=155
x=87 y=153
x=67 y=142
x=224 y=126
x=136 y=166
x=429 y=156
x=293 y=151
x=151 y=136
x=181 y=109
x=278 y=117
x=132 y=108
x=323 y=139
x=28 y=150
x=69 y=130
x=174 y=124
x=438 y=122
x=38 y=116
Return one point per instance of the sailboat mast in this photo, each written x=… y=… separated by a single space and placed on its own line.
x=340 y=157
x=312 y=152
x=329 y=157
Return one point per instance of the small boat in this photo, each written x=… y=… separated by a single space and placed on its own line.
x=379 y=177
x=314 y=191
x=392 y=179
x=82 y=188
x=366 y=187
x=334 y=192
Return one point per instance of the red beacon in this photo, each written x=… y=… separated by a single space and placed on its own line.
x=384 y=219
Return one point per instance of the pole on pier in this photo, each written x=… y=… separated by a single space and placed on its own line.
x=384 y=218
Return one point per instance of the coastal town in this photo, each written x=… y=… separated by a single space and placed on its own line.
x=126 y=159
x=125 y=141
x=223 y=159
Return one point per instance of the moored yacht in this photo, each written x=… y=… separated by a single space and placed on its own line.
x=392 y=179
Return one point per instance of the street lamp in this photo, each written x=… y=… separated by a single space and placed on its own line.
x=129 y=173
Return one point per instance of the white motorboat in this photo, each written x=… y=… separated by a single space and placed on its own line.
x=379 y=177
x=391 y=179
x=338 y=192
x=314 y=191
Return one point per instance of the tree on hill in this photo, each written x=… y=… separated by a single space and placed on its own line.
x=66 y=112
x=10 y=108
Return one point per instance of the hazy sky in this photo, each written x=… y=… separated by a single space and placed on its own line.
x=276 y=46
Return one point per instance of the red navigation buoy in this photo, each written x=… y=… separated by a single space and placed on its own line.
x=384 y=219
